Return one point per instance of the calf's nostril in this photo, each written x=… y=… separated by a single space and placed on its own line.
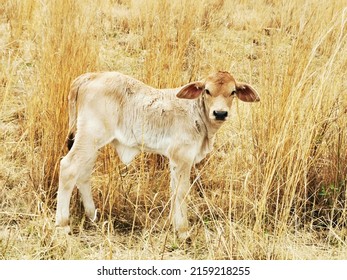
x=220 y=115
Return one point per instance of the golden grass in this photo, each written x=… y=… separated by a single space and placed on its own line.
x=273 y=188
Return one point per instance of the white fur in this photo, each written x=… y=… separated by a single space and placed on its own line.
x=114 y=108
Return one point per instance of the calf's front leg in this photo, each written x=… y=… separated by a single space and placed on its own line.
x=179 y=184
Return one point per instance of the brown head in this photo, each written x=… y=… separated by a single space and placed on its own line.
x=219 y=90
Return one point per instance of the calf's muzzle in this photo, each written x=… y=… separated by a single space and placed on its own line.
x=220 y=115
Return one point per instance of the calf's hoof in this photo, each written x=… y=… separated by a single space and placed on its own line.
x=184 y=236
x=63 y=229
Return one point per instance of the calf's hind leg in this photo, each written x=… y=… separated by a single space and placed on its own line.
x=84 y=187
x=75 y=168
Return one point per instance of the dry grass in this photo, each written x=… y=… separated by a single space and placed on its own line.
x=275 y=185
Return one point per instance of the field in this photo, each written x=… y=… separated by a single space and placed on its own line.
x=273 y=188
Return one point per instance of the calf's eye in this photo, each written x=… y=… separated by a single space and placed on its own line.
x=207 y=92
x=233 y=93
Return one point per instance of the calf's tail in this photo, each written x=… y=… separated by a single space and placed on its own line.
x=73 y=96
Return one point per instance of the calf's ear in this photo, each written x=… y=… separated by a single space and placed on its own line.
x=191 y=90
x=246 y=93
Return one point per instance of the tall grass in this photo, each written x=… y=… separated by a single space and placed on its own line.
x=66 y=47
x=277 y=178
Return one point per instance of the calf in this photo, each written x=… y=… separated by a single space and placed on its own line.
x=178 y=123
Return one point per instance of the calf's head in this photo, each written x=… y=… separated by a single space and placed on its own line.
x=218 y=91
